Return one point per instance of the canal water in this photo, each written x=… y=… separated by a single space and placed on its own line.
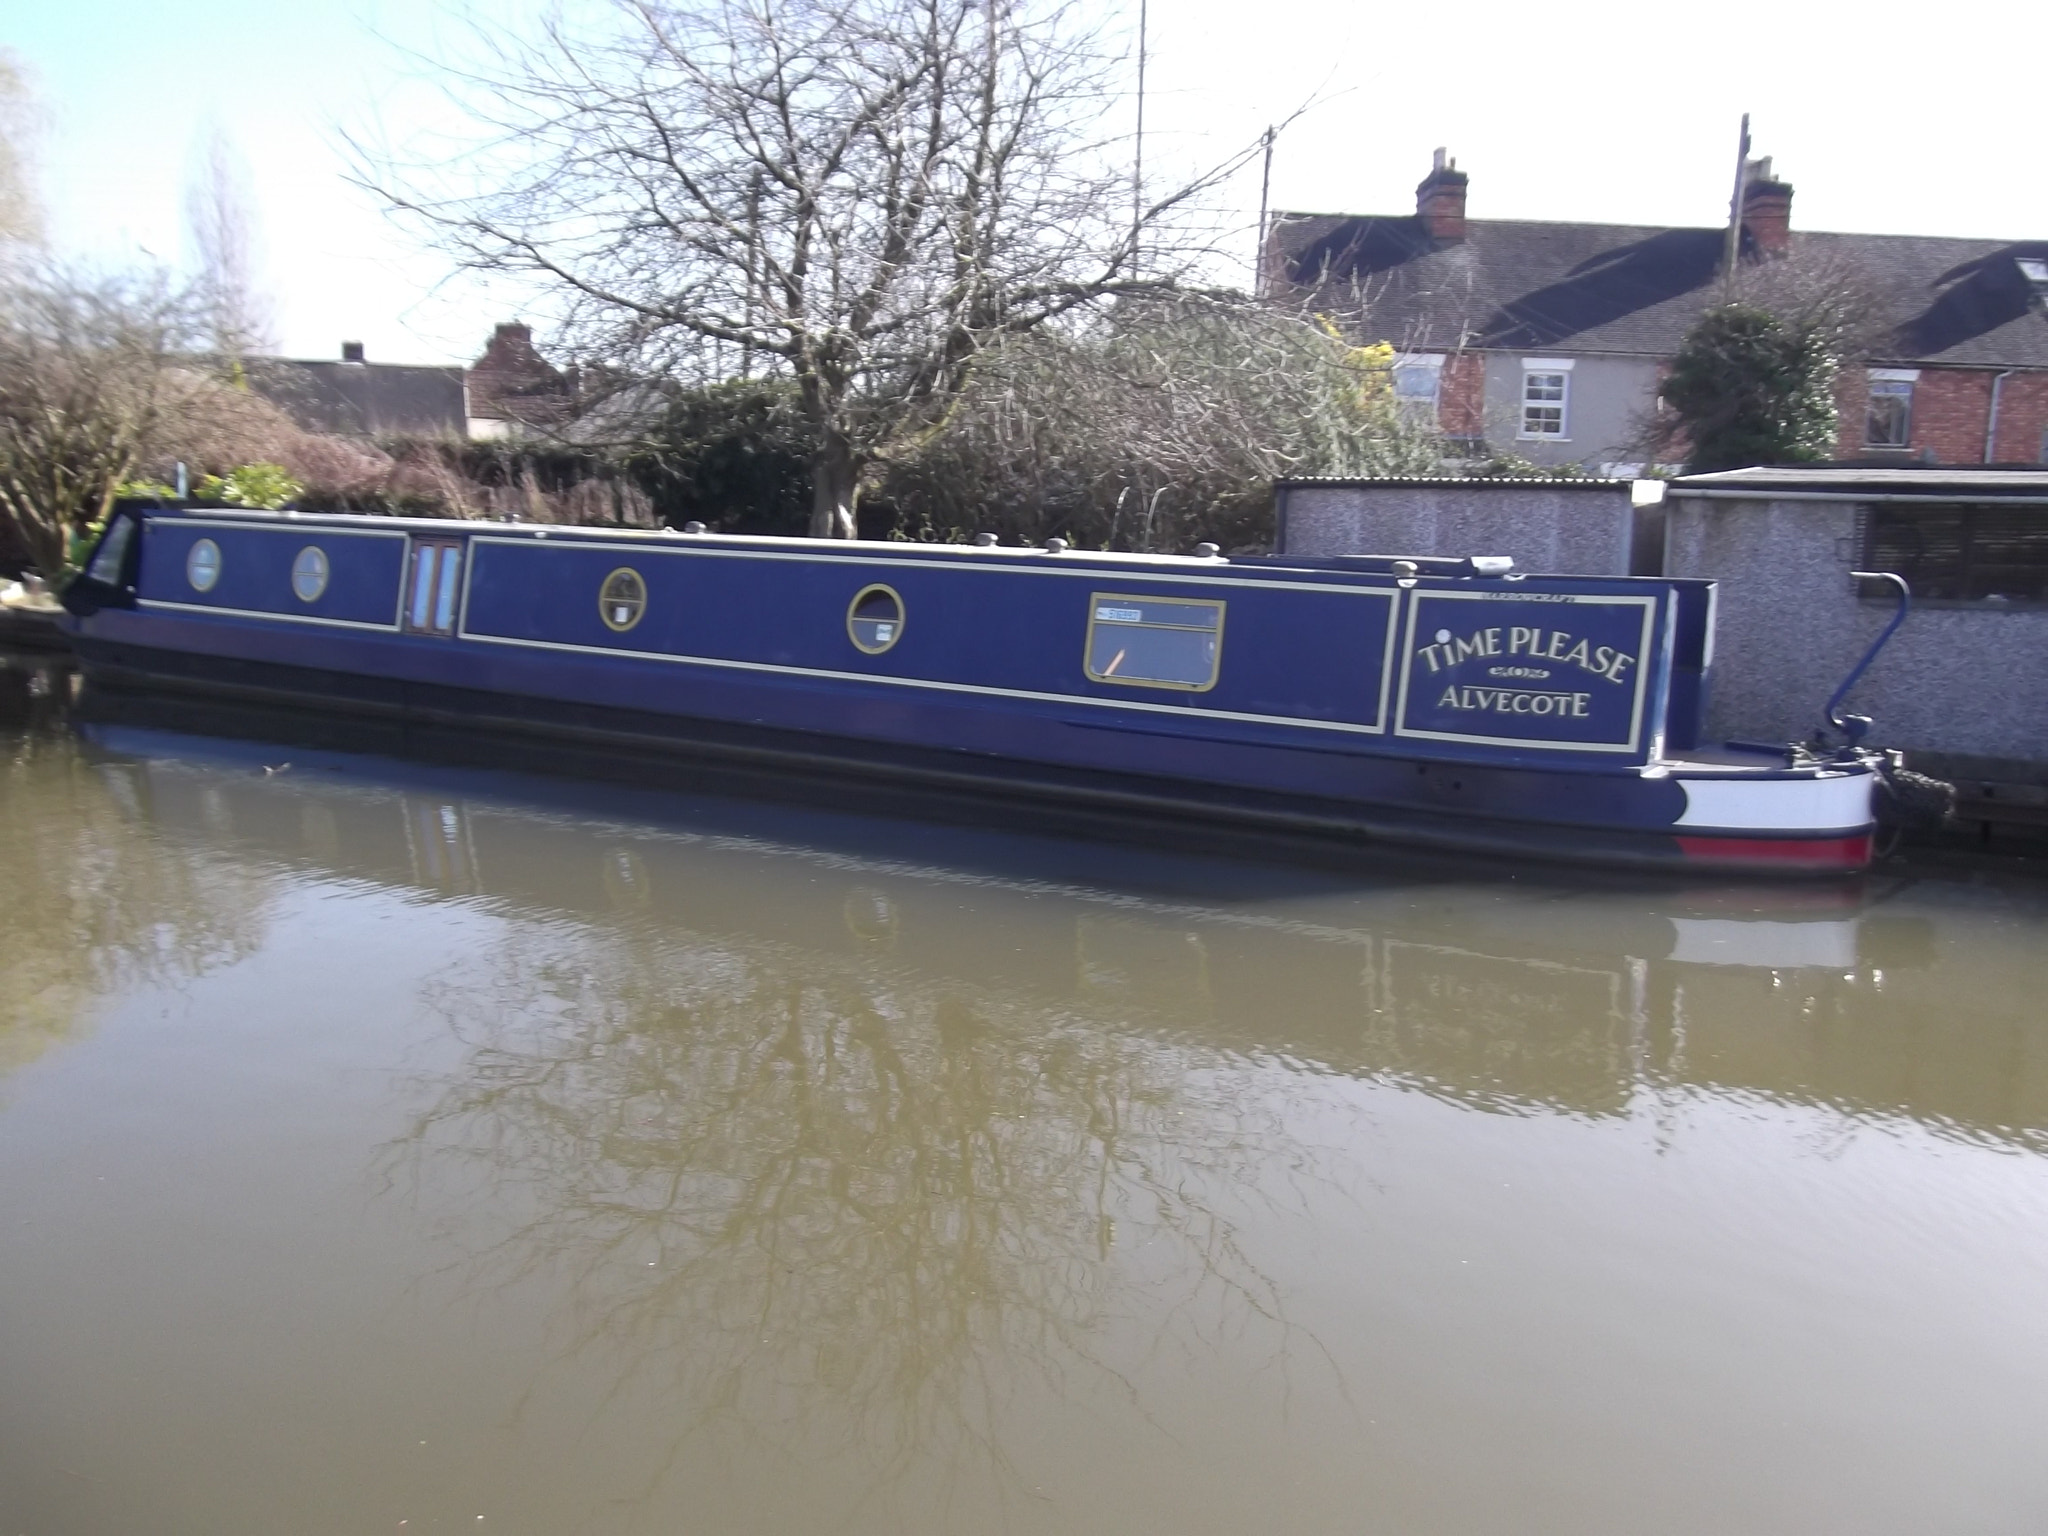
x=396 y=1148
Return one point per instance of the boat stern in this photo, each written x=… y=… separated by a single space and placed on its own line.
x=1821 y=818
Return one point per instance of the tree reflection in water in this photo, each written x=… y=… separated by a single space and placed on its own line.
x=845 y=1210
x=95 y=900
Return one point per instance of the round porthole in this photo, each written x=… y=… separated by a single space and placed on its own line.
x=202 y=566
x=622 y=599
x=309 y=574
x=875 y=619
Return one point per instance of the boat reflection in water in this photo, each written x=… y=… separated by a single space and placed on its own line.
x=1559 y=995
x=764 y=1169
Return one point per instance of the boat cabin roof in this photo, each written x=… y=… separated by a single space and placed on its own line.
x=1054 y=550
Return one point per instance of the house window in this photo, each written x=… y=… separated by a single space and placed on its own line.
x=1154 y=642
x=1890 y=423
x=1416 y=384
x=1546 y=397
x=1971 y=552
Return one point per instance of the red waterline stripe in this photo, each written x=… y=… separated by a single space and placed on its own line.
x=1819 y=853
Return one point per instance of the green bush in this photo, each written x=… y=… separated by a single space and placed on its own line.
x=267 y=486
x=1750 y=387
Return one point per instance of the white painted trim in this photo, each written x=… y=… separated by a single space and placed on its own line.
x=160 y=520
x=1827 y=802
x=1548 y=364
x=1913 y=499
x=1635 y=728
x=1894 y=375
x=264 y=613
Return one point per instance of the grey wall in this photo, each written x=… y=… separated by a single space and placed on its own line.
x=1554 y=527
x=1955 y=682
x=1609 y=396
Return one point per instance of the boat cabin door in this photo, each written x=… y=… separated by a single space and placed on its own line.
x=435 y=586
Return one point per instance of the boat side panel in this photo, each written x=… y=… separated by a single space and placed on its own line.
x=405 y=673
x=1317 y=655
x=254 y=572
x=990 y=660
x=1310 y=654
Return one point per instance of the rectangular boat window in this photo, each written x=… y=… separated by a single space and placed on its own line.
x=1154 y=642
x=444 y=602
x=436 y=584
x=112 y=555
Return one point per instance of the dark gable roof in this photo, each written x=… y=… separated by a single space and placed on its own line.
x=1528 y=285
x=364 y=399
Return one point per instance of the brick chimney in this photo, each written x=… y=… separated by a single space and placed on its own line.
x=351 y=351
x=1440 y=200
x=513 y=382
x=1767 y=210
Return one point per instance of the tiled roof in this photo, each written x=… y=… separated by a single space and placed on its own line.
x=364 y=399
x=1527 y=285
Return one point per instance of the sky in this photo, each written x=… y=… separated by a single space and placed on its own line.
x=1884 y=119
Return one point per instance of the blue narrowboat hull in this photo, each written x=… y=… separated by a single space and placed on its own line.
x=1434 y=703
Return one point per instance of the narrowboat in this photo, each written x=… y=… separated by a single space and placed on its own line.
x=1447 y=703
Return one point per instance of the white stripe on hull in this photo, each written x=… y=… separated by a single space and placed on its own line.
x=1825 y=803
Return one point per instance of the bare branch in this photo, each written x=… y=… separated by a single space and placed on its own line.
x=862 y=195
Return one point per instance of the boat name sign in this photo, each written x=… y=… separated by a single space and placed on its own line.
x=1507 y=671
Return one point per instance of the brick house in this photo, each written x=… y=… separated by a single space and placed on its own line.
x=511 y=391
x=514 y=391
x=1549 y=340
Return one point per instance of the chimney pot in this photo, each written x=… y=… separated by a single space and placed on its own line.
x=351 y=351
x=1440 y=199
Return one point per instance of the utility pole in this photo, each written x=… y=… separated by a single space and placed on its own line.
x=1138 y=161
x=1265 y=189
x=1734 y=252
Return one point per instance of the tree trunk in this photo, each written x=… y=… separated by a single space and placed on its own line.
x=835 y=489
x=46 y=543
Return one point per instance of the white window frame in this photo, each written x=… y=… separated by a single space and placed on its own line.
x=1892 y=384
x=1546 y=367
x=1415 y=364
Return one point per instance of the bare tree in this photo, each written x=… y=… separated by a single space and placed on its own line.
x=89 y=377
x=20 y=209
x=220 y=223
x=860 y=195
